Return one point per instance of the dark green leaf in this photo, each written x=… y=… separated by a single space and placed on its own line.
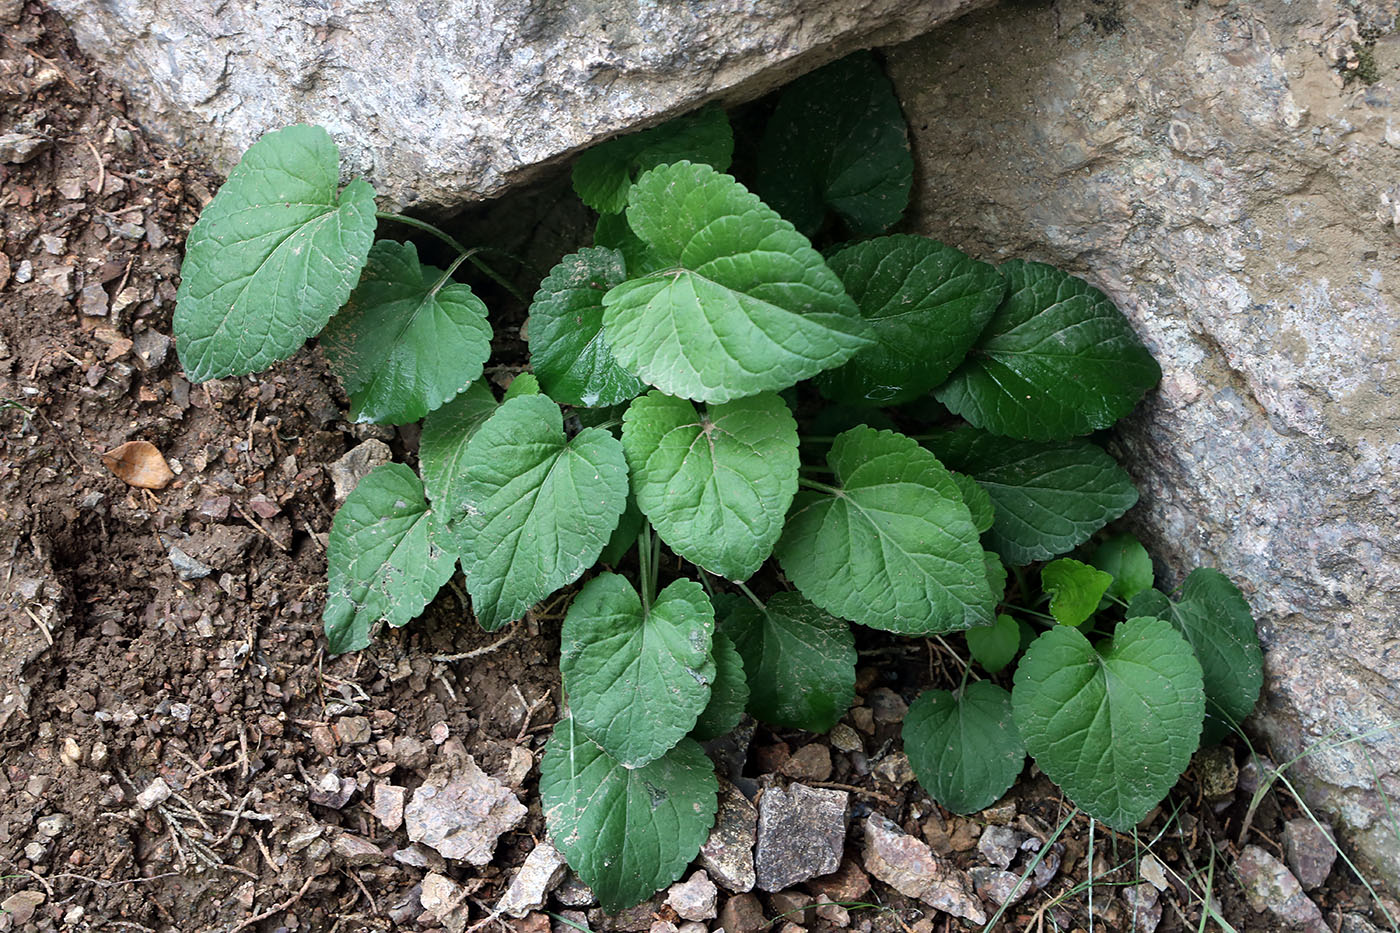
x=994 y=646
x=1125 y=557
x=800 y=661
x=837 y=141
x=444 y=439
x=604 y=174
x=627 y=832
x=568 y=351
x=1058 y=360
x=977 y=500
x=624 y=535
x=964 y=749
x=273 y=256
x=926 y=304
x=729 y=696
x=410 y=339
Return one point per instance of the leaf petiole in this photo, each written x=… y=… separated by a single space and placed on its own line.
x=820 y=487
x=467 y=254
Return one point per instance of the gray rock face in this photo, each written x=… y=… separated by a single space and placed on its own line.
x=1269 y=886
x=908 y=865
x=447 y=102
x=728 y=853
x=462 y=814
x=544 y=868
x=1209 y=167
x=801 y=835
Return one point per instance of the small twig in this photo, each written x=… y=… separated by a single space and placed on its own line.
x=48 y=637
x=835 y=785
x=258 y=525
x=373 y=906
x=475 y=653
x=278 y=908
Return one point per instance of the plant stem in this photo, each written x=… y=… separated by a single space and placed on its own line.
x=457 y=245
x=820 y=487
x=645 y=566
x=752 y=598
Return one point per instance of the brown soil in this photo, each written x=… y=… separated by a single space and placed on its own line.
x=114 y=670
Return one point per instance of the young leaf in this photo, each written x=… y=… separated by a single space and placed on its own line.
x=742 y=305
x=964 y=750
x=837 y=141
x=729 y=696
x=604 y=174
x=1074 y=588
x=384 y=558
x=567 y=349
x=522 y=384
x=532 y=509
x=1216 y=620
x=994 y=646
x=624 y=535
x=1114 y=726
x=894 y=546
x=272 y=257
x=715 y=486
x=444 y=439
x=926 y=304
x=626 y=831
x=1048 y=498
x=410 y=339
x=613 y=232
x=800 y=661
x=1128 y=561
x=996 y=575
x=1057 y=360
x=637 y=678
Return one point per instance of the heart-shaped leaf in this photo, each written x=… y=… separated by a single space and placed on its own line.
x=532 y=509
x=728 y=697
x=1048 y=497
x=637 y=677
x=626 y=831
x=742 y=305
x=384 y=559
x=715 y=486
x=1057 y=360
x=568 y=351
x=1214 y=617
x=272 y=257
x=994 y=646
x=1127 y=560
x=800 y=661
x=837 y=141
x=892 y=546
x=604 y=174
x=410 y=339
x=1114 y=726
x=964 y=749
x=926 y=304
x=1075 y=589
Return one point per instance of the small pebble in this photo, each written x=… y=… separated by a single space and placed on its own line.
x=156 y=793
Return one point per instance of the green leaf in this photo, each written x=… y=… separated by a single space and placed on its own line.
x=568 y=351
x=624 y=535
x=729 y=696
x=1057 y=360
x=1113 y=726
x=977 y=500
x=384 y=558
x=627 y=832
x=715 y=486
x=1125 y=557
x=410 y=339
x=1074 y=589
x=444 y=439
x=522 y=384
x=273 y=256
x=637 y=678
x=996 y=575
x=604 y=174
x=894 y=547
x=532 y=509
x=742 y=305
x=994 y=646
x=1049 y=497
x=613 y=232
x=926 y=304
x=800 y=661
x=964 y=750
x=837 y=141
x=1214 y=617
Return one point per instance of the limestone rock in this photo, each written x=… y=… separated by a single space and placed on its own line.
x=909 y=866
x=1211 y=170
x=461 y=814
x=1269 y=885
x=1309 y=851
x=480 y=93
x=357 y=463
x=695 y=898
x=728 y=853
x=543 y=869
x=801 y=835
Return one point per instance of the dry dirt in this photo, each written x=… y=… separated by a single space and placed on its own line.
x=114 y=670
